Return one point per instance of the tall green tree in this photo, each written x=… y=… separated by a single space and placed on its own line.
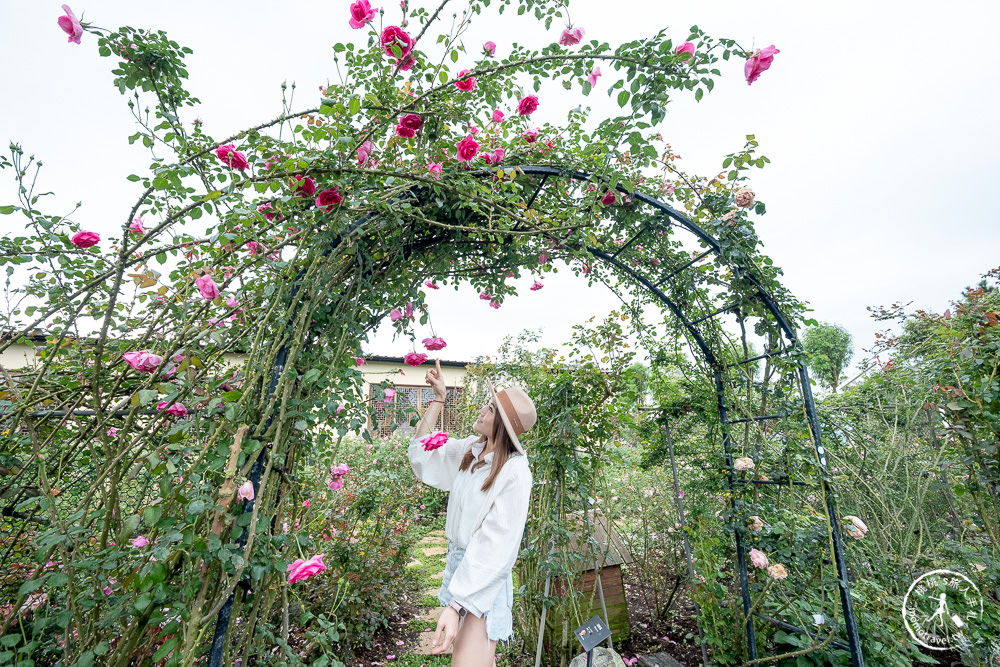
x=830 y=349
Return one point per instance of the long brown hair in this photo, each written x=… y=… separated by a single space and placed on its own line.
x=504 y=448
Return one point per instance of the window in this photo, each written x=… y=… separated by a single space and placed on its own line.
x=388 y=418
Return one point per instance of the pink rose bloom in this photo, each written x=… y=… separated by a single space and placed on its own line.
x=571 y=36
x=246 y=491
x=473 y=129
x=112 y=432
x=361 y=14
x=758 y=62
x=209 y=290
x=136 y=226
x=254 y=247
x=434 y=440
x=107 y=590
x=431 y=284
x=412 y=121
x=231 y=302
x=336 y=480
x=592 y=77
x=543 y=258
x=414 y=358
x=305 y=503
x=758 y=558
x=497 y=116
x=139 y=542
x=531 y=136
x=490 y=48
x=340 y=470
x=389 y=395
x=608 y=199
x=71 y=25
x=396 y=36
x=498 y=155
x=327 y=199
x=527 y=105
x=360 y=361
x=686 y=47
x=536 y=286
x=494 y=305
x=144 y=362
x=467 y=149
x=365 y=151
x=405 y=132
x=303 y=569
x=176 y=409
x=231 y=157
x=485 y=296
x=435 y=168
x=464 y=82
x=434 y=344
x=306 y=186
x=395 y=314
x=267 y=211
x=85 y=239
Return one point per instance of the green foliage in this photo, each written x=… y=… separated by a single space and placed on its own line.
x=830 y=350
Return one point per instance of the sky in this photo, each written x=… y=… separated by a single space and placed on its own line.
x=878 y=119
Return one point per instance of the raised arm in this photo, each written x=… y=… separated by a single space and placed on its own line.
x=435 y=379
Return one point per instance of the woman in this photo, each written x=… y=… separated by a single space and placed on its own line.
x=490 y=484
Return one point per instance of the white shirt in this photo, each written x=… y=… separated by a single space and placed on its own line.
x=487 y=525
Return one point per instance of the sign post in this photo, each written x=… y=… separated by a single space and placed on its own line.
x=590 y=634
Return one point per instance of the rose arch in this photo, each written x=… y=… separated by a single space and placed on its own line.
x=291 y=241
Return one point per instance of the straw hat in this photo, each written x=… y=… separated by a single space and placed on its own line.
x=516 y=410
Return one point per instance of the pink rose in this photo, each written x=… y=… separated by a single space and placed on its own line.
x=246 y=491
x=71 y=25
x=176 y=409
x=571 y=36
x=405 y=132
x=85 y=239
x=473 y=129
x=336 y=480
x=112 y=432
x=497 y=116
x=231 y=302
x=485 y=296
x=412 y=121
x=435 y=168
x=207 y=287
x=490 y=49
x=592 y=77
x=527 y=105
x=434 y=440
x=365 y=151
x=389 y=395
x=531 y=136
x=306 y=186
x=395 y=314
x=396 y=36
x=536 y=286
x=542 y=258
x=361 y=14
x=327 y=199
x=305 y=503
x=758 y=558
x=464 y=82
x=495 y=305
x=303 y=569
x=467 y=149
x=498 y=155
x=414 y=358
x=360 y=361
x=434 y=344
x=140 y=541
x=758 y=62
x=144 y=362
x=431 y=284
x=686 y=47
x=267 y=211
x=608 y=199
x=231 y=157
x=136 y=226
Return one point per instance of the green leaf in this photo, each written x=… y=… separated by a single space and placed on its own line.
x=698 y=94
x=355 y=105
x=623 y=98
x=7 y=210
x=147 y=395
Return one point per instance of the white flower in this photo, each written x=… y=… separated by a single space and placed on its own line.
x=743 y=464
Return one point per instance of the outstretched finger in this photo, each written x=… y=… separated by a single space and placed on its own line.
x=437 y=635
x=437 y=365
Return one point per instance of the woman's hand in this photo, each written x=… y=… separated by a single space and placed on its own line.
x=435 y=379
x=447 y=629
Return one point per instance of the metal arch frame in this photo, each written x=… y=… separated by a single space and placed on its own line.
x=547 y=173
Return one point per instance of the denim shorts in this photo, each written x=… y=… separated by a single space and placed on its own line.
x=499 y=619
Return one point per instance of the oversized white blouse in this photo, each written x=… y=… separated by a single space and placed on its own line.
x=487 y=525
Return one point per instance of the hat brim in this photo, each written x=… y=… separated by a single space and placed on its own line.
x=505 y=419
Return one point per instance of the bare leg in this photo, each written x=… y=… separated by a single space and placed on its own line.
x=472 y=647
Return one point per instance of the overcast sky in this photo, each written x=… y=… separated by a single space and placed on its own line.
x=879 y=119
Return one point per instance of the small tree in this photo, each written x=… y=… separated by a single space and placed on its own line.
x=830 y=350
